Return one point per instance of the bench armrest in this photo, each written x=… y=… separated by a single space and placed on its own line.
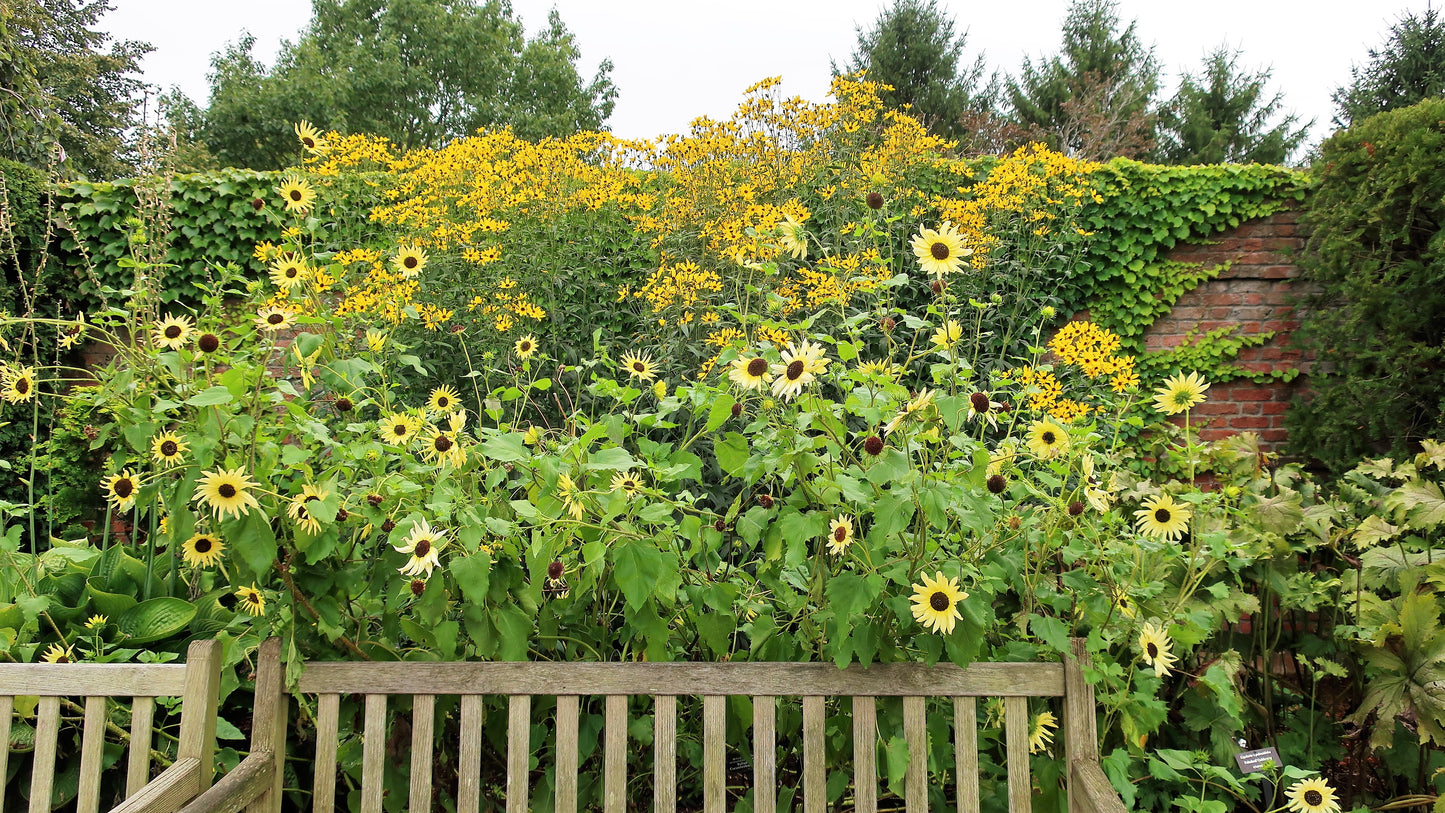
x=238 y=788
x=175 y=786
x=1092 y=791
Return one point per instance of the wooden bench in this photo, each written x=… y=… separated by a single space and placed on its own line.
x=255 y=784
x=196 y=682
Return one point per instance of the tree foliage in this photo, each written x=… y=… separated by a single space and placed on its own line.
x=1409 y=67
x=1223 y=115
x=420 y=72
x=61 y=82
x=912 y=48
x=1096 y=93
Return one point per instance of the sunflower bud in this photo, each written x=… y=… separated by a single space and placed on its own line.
x=997 y=483
x=937 y=287
x=1014 y=522
x=874 y=200
x=1076 y=508
x=257 y=204
x=343 y=404
x=887 y=324
x=342 y=515
x=873 y=445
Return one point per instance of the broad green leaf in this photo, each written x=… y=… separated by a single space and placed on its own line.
x=722 y=409
x=637 y=567
x=155 y=619
x=1421 y=501
x=214 y=396
x=732 y=453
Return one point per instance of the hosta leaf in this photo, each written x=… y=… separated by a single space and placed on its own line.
x=155 y=619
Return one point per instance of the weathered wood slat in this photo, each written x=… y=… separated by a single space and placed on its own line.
x=965 y=753
x=42 y=775
x=88 y=679
x=138 y=756
x=714 y=757
x=1081 y=737
x=251 y=779
x=268 y=726
x=1016 y=740
x=915 y=781
x=781 y=679
x=765 y=750
x=373 y=750
x=664 y=754
x=175 y=786
x=198 y=708
x=614 y=759
x=567 y=754
x=323 y=789
x=469 y=780
x=865 y=745
x=423 y=717
x=7 y=708
x=814 y=800
x=1095 y=794
x=519 y=752
x=92 y=747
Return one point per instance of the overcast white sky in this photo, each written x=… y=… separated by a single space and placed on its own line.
x=676 y=60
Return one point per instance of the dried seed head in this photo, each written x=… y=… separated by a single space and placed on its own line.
x=765 y=500
x=997 y=483
x=387 y=526
x=1076 y=508
x=873 y=445
x=555 y=570
x=875 y=200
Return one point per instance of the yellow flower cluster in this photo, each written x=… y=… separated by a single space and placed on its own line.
x=1093 y=350
x=504 y=306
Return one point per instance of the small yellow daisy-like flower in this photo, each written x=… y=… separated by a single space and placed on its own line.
x=96 y=622
x=1313 y=795
x=227 y=492
x=275 y=318
x=1180 y=393
x=300 y=512
x=56 y=653
x=940 y=252
x=935 y=602
x=1163 y=518
x=840 y=534
x=443 y=399
x=19 y=385
x=659 y=389
x=121 y=489
x=1041 y=733
x=298 y=195
x=71 y=335
x=531 y=436
x=915 y=410
x=399 y=429
x=750 y=373
x=628 y=482
x=571 y=498
x=948 y=335
x=1047 y=439
x=289 y=271
x=1154 y=644
x=168 y=449
x=424 y=545
x=639 y=367
x=202 y=550
x=409 y=261
x=172 y=332
x=525 y=347
x=375 y=340
x=250 y=601
x=310 y=138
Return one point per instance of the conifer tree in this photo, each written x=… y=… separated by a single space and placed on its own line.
x=1409 y=67
x=1223 y=115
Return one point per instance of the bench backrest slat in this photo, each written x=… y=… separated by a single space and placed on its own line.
x=519 y=752
x=7 y=707
x=373 y=748
x=86 y=679
x=92 y=747
x=714 y=761
x=814 y=800
x=614 y=759
x=915 y=781
x=138 y=761
x=47 y=732
x=691 y=679
x=1016 y=737
x=469 y=783
x=865 y=754
x=328 y=707
x=965 y=752
x=567 y=709
x=423 y=716
x=765 y=754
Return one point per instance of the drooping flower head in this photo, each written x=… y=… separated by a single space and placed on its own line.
x=1154 y=646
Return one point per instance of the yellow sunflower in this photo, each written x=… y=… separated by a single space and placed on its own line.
x=441 y=446
x=800 y=366
x=1047 y=439
x=298 y=195
x=202 y=550
x=399 y=429
x=628 y=482
x=120 y=489
x=409 y=261
x=983 y=408
x=525 y=346
x=1162 y=517
x=56 y=653
x=948 y=335
x=18 y=385
x=571 y=498
x=375 y=340
x=1154 y=645
x=750 y=373
x=227 y=492
x=914 y=410
x=71 y=335
x=172 y=332
x=792 y=237
x=289 y=271
x=168 y=449
x=840 y=534
x=639 y=366
x=1312 y=795
x=424 y=545
x=940 y=252
x=275 y=318
x=443 y=399
x=935 y=602
x=299 y=511
x=1180 y=393
x=1041 y=733
x=250 y=601
x=310 y=138
x=96 y=622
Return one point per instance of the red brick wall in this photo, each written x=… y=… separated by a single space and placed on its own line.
x=1253 y=293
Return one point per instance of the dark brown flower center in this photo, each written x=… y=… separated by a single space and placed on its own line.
x=253 y=598
x=874 y=200
x=226 y=491
x=417 y=587
x=554 y=570
x=1313 y=798
x=939 y=251
x=296 y=195
x=840 y=533
x=757 y=367
x=1076 y=508
x=873 y=445
x=292 y=271
x=526 y=347
x=309 y=143
x=997 y=483
x=1048 y=438
x=399 y=430
x=409 y=262
x=1153 y=650
x=795 y=370
x=275 y=319
x=208 y=343
x=203 y=545
x=423 y=547
x=939 y=601
x=639 y=366
x=443 y=402
x=169 y=448
x=173 y=331
x=22 y=385
x=1162 y=516
x=442 y=443
x=124 y=487
x=343 y=404
x=979 y=402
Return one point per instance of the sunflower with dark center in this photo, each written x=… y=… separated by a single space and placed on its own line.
x=289 y=272
x=940 y=252
x=750 y=373
x=628 y=482
x=443 y=447
x=1154 y=644
x=1162 y=518
x=935 y=602
x=168 y=449
x=227 y=492
x=639 y=366
x=56 y=653
x=1313 y=795
x=300 y=508
x=120 y=489
x=298 y=195
x=840 y=534
x=410 y=260
x=423 y=545
x=172 y=332
x=800 y=367
x=399 y=429
x=525 y=347
x=250 y=601
x=310 y=138
x=202 y=550
x=443 y=399
x=19 y=385
x=274 y=318
x=1047 y=439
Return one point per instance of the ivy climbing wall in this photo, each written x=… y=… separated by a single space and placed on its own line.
x=1255 y=294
